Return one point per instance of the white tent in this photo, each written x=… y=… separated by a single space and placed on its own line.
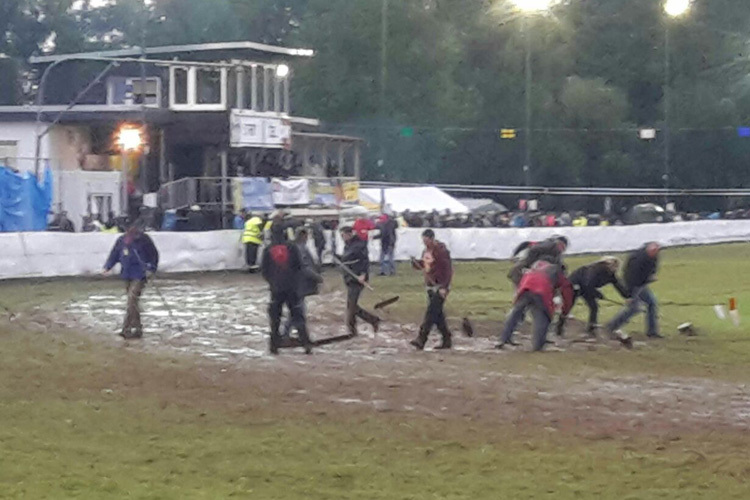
x=415 y=199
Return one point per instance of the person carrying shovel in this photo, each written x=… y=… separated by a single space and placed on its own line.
x=438 y=273
x=356 y=261
x=137 y=255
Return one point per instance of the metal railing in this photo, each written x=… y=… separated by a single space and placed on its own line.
x=564 y=191
x=191 y=191
x=206 y=192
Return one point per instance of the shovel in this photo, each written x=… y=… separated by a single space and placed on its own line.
x=380 y=305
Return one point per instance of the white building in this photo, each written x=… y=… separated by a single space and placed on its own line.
x=209 y=111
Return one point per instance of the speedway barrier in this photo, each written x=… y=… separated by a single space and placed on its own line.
x=48 y=254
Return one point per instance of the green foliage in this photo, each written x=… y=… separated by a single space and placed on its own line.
x=455 y=73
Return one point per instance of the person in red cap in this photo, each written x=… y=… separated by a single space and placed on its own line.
x=536 y=291
x=362 y=228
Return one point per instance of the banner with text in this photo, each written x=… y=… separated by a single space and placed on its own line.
x=291 y=192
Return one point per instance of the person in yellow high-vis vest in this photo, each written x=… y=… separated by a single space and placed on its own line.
x=252 y=238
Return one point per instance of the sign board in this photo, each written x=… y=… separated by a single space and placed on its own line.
x=291 y=192
x=647 y=134
x=251 y=130
x=743 y=131
x=351 y=192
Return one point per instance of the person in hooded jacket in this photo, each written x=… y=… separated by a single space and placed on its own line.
x=310 y=277
x=536 y=291
x=356 y=259
x=281 y=267
x=587 y=281
x=529 y=252
x=319 y=238
x=137 y=255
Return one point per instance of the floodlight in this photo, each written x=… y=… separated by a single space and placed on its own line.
x=282 y=71
x=677 y=8
x=129 y=138
x=534 y=5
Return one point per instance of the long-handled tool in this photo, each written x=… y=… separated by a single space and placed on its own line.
x=380 y=305
x=166 y=305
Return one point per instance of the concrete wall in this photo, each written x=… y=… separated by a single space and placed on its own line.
x=69 y=146
x=28 y=255
x=73 y=188
x=24 y=134
x=65 y=145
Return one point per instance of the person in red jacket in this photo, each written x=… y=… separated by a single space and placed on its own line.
x=438 y=273
x=536 y=291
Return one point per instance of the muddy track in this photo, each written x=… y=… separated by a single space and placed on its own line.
x=225 y=323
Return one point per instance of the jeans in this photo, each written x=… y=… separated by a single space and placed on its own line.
x=643 y=295
x=528 y=300
x=434 y=316
x=289 y=320
x=387 y=266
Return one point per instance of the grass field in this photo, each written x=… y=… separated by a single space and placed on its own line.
x=87 y=419
x=699 y=275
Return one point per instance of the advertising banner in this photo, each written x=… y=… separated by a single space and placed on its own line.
x=291 y=192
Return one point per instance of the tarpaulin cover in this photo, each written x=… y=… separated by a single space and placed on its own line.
x=416 y=199
x=24 y=203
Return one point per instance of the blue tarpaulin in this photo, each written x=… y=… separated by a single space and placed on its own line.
x=24 y=202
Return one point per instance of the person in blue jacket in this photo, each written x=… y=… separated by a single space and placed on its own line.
x=137 y=255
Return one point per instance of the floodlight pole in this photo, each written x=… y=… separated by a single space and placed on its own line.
x=383 y=73
x=667 y=112
x=529 y=77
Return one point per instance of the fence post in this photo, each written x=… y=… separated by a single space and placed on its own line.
x=224 y=173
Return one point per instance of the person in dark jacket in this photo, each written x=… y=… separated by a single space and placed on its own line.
x=357 y=259
x=587 y=281
x=319 y=239
x=387 y=226
x=438 y=274
x=137 y=255
x=196 y=219
x=530 y=252
x=536 y=291
x=640 y=271
x=281 y=267
x=310 y=277
x=62 y=223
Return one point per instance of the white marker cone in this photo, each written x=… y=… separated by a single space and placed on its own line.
x=735 y=315
x=733 y=312
x=721 y=313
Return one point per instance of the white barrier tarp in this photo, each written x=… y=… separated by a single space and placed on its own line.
x=29 y=255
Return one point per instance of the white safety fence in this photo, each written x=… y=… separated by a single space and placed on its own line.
x=31 y=255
